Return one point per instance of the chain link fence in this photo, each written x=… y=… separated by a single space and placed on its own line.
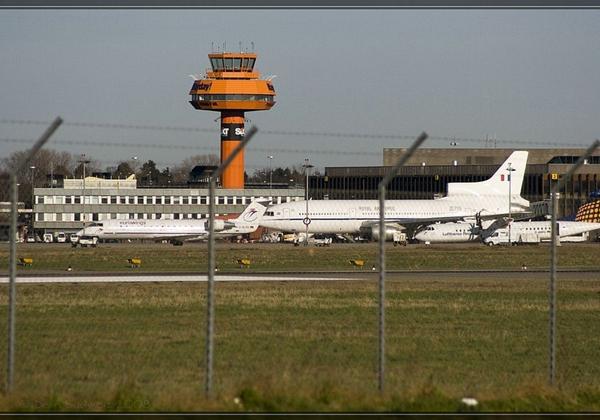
x=291 y=328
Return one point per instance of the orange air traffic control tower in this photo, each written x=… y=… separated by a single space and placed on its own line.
x=232 y=87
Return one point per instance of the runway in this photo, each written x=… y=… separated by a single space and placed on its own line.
x=153 y=278
x=295 y=277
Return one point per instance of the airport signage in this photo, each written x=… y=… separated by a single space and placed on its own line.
x=232 y=131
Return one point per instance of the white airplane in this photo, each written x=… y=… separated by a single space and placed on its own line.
x=496 y=232
x=176 y=230
x=464 y=199
x=535 y=232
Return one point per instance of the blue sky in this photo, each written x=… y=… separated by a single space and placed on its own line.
x=527 y=75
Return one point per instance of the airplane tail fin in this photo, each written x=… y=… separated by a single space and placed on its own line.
x=510 y=173
x=589 y=212
x=254 y=212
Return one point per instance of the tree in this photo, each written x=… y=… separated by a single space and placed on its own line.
x=123 y=170
x=44 y=163
x=149 y=174
x=292 y=175
x=181 y=172
x=90 y=167
x=165 y=177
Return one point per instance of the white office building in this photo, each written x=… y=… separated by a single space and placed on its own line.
x=94 y=199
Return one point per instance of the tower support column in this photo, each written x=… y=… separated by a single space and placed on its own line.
x=232 y=133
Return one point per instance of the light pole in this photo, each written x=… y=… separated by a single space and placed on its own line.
x=270 y=173
x=510 y=169
x=83 y=161
x=306 y=220
x=134 y=160
x=32 y=167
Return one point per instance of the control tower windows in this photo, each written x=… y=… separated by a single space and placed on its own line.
x=205 y=97
x=250 y=64
x=228 y=63
x=237 y=62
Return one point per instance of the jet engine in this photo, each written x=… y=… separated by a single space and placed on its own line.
x=373 y=231
x=220 y=225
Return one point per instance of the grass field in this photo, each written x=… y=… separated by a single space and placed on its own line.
x=285 y=257
x=304 y=346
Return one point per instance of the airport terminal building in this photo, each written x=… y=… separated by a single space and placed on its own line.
x=63 y=209
x=425 y=176
x=428 y=172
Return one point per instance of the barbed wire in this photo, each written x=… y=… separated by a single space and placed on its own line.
x=187 y=147
x=304 y=133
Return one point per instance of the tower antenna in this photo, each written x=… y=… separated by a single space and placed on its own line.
x=252 y=43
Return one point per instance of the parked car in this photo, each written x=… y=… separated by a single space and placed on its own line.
x=48 y=238
x=61 y=237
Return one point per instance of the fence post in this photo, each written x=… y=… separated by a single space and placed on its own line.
x=210 y=307
x=382 y=188
x=554 y=190
x=12 y=263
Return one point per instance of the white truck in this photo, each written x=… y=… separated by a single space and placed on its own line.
x=85 y=241
x=500 y=237
x=61 y=237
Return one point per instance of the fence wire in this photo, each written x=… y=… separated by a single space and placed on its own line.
x=121 y=326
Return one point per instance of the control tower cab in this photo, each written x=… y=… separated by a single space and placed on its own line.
x=232 y=87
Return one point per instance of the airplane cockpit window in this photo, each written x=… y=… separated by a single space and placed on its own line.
x=96 y=225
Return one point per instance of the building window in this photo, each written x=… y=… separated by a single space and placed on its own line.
x=203 y=200
x=194 y=215
x=77 y=200
x=193 y=200
x=104 y=200
x=123 y=200
x=113 y=216
x=167 y=200
x=158 y=216
x=77 y=217
x=221 y=200
x=132 y=215
x=185 y=200
x=95 y=217
x=68 y=199
x=176 y=200
x=157 y=200
x=140 y=215
x=113 y=200
x=176 y=216
x=140 y=199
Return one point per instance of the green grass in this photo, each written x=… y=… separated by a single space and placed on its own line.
x=285 y=257
x=303 y=347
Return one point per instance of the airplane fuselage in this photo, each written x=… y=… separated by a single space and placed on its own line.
x=350 y=216
x=466 y=232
